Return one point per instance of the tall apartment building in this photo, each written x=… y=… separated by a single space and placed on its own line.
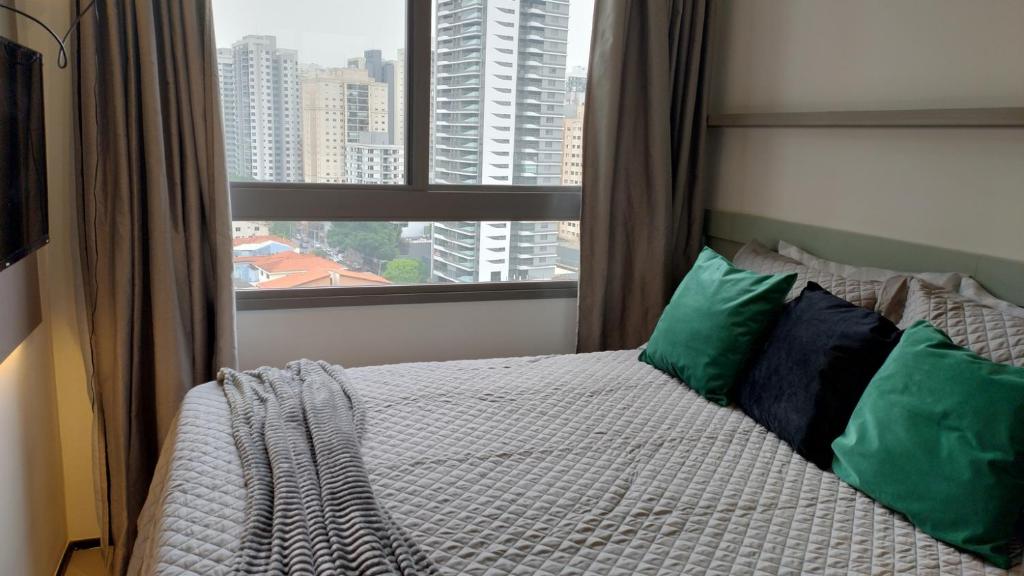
x=572 y=148
x=228 y=110
x=575 y=89
x=433 y=114
x=261 y=110
x=374 y=160
x=572 y=166
x=394 y=77
x=500 y=90
x=493 y=251
x=373 y=61
x=499 y=107
x=342 y=110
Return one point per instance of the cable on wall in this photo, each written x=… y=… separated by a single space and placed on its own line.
x=62 y=55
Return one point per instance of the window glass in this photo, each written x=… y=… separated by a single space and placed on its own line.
x=313 y=90
x=270 y=255
x=508 y=89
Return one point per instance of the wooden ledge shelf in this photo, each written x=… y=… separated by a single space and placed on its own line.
x=935 y=118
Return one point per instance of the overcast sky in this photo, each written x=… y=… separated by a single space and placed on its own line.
x=329 y=32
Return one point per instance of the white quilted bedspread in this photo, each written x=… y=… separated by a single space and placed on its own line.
x=586 y=464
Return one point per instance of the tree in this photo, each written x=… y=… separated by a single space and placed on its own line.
x=404 y=271
x=283 y=229
x=372 y=240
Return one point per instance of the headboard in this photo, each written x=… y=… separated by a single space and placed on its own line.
x=727 y=231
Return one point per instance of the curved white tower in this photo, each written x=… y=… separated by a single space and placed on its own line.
x=499 y=108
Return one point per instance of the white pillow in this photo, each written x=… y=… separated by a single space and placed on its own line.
x=970 y=288
x=948 y=280
x=887 y=298
x=986 y=331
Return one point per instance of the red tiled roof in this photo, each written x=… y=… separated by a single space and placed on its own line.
x=364 y=276
x=297 y=280
x=304 y=269
x=284 y=262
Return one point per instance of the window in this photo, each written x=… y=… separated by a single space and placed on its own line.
x=342 y=67
x=288 y=255
x=374 y=142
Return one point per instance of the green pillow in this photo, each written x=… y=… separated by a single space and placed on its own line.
x=939 y=436
x=717 y=314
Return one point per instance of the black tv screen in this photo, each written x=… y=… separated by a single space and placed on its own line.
x=23 y=217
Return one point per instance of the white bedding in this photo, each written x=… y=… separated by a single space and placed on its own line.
x=580 y=464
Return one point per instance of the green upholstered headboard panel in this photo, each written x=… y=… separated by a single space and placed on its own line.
x=727 y=231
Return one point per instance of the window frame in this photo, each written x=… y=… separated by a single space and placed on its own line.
x=416 y=200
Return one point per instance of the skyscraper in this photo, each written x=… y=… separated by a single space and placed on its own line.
x=374 y=64
x=575 y=89
x=572 y=148
x=228 y=110
x=345 y=110
x=500 y=89
x=260 y=104
x=493 y=251
x=433 y=114
x=394 y=77
x=572 y=165
x=499 y=107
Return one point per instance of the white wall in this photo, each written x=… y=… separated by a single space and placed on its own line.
x=955 y=188
x=57 y=270
x=368 y=335
x=32 y=524
x=33 y=527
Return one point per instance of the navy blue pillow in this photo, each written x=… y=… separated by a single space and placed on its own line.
x=808 y=375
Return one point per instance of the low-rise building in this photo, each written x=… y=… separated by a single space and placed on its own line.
x=265 y=245
x=293 y=270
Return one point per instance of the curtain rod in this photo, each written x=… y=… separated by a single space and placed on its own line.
x=62 y=56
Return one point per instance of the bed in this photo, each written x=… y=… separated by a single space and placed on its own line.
x=577 y=464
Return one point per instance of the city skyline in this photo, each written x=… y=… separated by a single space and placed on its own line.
x=501 y=81
x=291 y=119
x=334 y=36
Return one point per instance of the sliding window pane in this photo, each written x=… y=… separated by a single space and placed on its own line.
x=313 y=90
x=281 y=255
x=508 y=90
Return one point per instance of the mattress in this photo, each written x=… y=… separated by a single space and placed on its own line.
x=557 y=465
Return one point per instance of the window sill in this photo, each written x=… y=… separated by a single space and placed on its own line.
x=410 y=294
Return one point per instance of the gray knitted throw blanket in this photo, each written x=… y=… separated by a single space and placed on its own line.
x=309 y=506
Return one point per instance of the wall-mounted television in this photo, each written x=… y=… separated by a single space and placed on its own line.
x=24 y=226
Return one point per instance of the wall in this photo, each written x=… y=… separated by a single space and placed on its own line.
x=32 y=517
x=60 y=312
x=20 y=304
x=955 y=188
x=367 y=335
x=32 y=522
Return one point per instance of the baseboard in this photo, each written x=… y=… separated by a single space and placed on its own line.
x=69 y=549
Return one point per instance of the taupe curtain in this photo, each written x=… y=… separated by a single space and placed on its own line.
x=155 y=235
x=644 y=142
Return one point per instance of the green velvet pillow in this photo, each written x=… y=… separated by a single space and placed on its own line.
x=939 y=436
x=718 y=313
